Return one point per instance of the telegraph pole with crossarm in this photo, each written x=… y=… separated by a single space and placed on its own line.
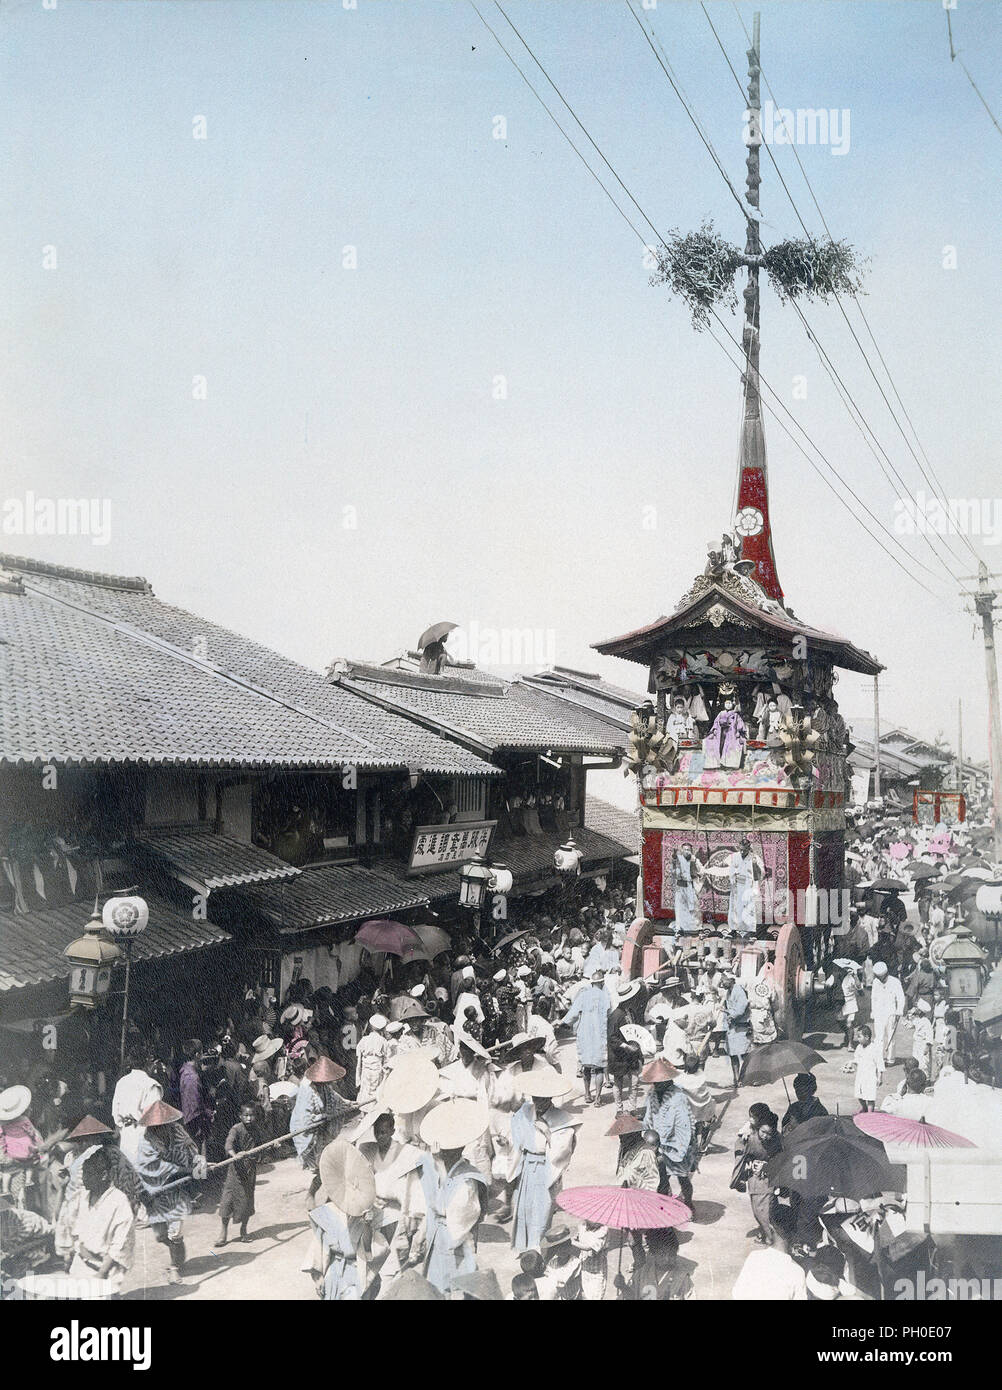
x=984 y=607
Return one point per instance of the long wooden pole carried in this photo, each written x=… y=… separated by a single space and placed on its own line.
x=247 y=1153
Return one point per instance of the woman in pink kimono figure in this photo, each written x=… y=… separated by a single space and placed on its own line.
x=724 y=745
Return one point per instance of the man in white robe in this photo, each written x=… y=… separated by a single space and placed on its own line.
x=134 y=1094
x=743 y=872
x=887 y=1004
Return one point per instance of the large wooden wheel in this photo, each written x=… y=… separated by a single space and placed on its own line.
x=792 y=980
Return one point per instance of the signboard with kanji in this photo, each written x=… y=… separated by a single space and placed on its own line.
x=438 y=847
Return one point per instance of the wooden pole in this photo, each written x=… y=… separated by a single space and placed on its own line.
x=984 y=606
x=247 y=1153
x=960 y=746
x=876 y=736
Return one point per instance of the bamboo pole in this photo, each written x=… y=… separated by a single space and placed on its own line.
x=247 y=1153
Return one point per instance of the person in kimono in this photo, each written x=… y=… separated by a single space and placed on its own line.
x=103 y=1225
x=868 y=1061
x=471 y=1077
x=166 y=1154
x=743 y=871
x=689 y=874
x=371 y=1061
x=454 y=1195
x=543 y=1139
x=345 y=1244
x=737 y=1019
x=887 y=1004
x=724 y=745
x=589 y=1014
x=396 y=1168
x=604 y=956
x=680 y=725
x=318 y=1104
x=669 y=1115
x=134 y=1093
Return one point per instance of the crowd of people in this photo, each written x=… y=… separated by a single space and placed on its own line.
x=430 y=1095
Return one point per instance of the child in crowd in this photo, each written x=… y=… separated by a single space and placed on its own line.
x=869 y=1062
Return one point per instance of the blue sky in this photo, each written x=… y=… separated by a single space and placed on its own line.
x=373 y=388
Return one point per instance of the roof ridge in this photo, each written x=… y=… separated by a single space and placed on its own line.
x=151 y=639
x=94 y=577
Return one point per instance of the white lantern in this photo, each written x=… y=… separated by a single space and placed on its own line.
x=501 y=879
x=567 y=859
x=125 y=917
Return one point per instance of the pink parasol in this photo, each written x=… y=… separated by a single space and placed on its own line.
x=900 y=850
x=897 y=1129
x=625 y=1208
x=391 y=938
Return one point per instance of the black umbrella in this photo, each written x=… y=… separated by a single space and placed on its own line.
x=829 y=1156
x=507 y=940
x=889 y=885
x=778 y=1059
x=919 y=870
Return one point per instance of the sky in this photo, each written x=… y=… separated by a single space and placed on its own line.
x=320 y=308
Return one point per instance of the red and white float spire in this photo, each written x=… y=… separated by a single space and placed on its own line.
x=752 y=517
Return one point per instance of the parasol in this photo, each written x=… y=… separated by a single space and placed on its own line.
x=919 y=869
x=643 y=1037
x=625 y=1208
x=433 y=939
x=390 y=938
x=779 y=1059
x=403 y=1007
x=899 y=850
x=977 y=872
x=829 y=1156
x=888 y=885
x=435 y=633
x=508 y=939
x=898 y=1129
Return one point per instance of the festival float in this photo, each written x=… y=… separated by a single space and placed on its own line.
x=741 y=754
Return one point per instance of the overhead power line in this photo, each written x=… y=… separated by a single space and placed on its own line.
x=723 y=327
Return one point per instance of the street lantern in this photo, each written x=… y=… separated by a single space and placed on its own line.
x=474 y=880
x=501 y=880
x=91 y=958
x=963 y=960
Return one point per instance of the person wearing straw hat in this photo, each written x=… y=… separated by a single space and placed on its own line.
x=624 y=1057
x=399 y=1204
x=102 y=1225
x=454 y=1192
x=167 y=1153
x=471 y=1077
x=344 y=1224
x=371 y=1060
x=319 y=1105
x=589 y=1015
x=134 y=1093
x=669 y=1114
x=543 y=1138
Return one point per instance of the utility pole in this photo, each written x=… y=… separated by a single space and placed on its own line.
x=876 y=736
x=984 y=607
x=960 y=746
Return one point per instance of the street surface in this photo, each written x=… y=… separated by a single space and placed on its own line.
x=712 y=1249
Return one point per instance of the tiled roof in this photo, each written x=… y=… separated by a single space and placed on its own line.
x=591 y=692
x=94 y=669
x=331 y=894
x=196 y=855
x=500 y=714
x=32 y=943
x=610 y=821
